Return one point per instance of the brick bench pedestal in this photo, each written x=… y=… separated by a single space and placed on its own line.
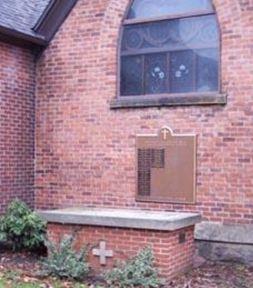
x=120 y=234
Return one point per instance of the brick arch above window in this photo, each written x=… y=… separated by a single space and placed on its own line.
x=169 y=56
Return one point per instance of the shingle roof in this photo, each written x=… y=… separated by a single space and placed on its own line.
x=21 y=15
x=32 y=23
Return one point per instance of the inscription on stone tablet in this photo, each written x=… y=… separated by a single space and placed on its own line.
x=166 y=167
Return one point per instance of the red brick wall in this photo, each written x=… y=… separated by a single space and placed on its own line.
x=17 y=79
x=86 y=152
x=171 y=257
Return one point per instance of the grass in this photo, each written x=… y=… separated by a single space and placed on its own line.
x=7 y=284
x=4 y=283
x=13 y=279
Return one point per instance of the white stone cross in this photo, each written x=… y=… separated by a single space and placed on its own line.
x=165 y=132
x=102 y=253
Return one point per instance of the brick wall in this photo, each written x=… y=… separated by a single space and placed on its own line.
x=17 y=78
x=85 y=152
x=171 y=257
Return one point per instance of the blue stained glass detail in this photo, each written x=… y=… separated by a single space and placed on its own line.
x=182 y=71
x=131 y=75
x=157 y=8
x=207 y=70
x=168 y=55
x=155 y=73
x=186 y=33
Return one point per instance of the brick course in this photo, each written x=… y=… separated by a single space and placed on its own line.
x=171 y=258
x=17 y=82
x=85 y=152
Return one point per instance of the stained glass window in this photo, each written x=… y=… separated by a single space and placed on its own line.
x=176 y=53
x=131 y=75
x=182 y=71
x=155 y=73
x=207 y=67
x=157 y=8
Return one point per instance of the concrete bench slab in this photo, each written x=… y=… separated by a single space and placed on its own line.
x=122 y=218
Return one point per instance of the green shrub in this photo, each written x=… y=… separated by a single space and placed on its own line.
x=21 y=227
x=64 y=262
x=138 y=272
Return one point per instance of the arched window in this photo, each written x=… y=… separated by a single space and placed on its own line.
x=169 y=47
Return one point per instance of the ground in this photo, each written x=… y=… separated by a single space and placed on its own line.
x=216 y=275
x=20 y=270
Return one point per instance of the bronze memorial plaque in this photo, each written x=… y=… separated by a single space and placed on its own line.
x=166 y=167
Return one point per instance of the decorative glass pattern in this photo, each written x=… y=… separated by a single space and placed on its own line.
x=155 y=73
x=177 y=55
x=207 y=68
x=171 y=35
x=158 y=8
x=131 y=75
x=182 y=71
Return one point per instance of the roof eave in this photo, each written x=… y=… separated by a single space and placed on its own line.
x=21 y=39
x=53 y=17
x=45 y=29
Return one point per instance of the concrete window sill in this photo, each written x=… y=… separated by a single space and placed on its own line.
x=169 y=100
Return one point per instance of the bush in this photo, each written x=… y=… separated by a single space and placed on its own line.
x=138 y=272
x=21 y=227
x=64 y=262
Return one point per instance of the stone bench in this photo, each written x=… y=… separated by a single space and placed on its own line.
x=119 y=234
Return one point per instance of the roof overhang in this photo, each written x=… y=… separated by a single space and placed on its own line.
x=53 y=17
x=45 y=29
x=21 y=39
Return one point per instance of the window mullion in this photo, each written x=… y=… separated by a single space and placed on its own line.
x=143 y=74
x=195 y=63
x=168 y=72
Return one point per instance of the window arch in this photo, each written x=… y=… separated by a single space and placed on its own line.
x=169 y=47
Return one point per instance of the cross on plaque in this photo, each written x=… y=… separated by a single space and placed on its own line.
x=165 y=132
x=102 y=253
